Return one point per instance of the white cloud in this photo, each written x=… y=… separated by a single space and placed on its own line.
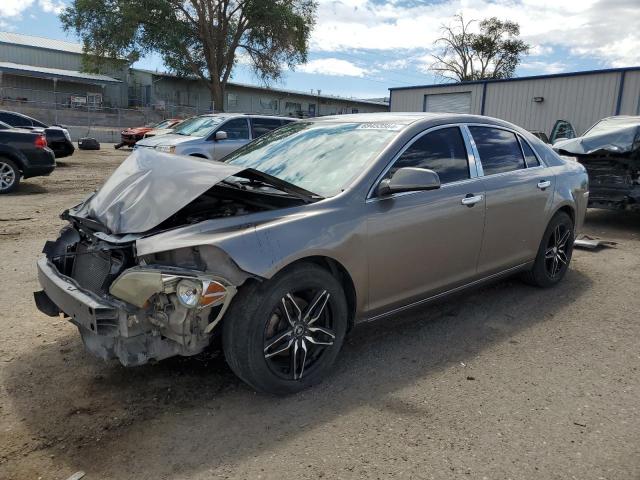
x=52 y=6
x=603 y=29
x=539 y=50
x=15 y=8
x=398 y=64
x=544 y=67
x=332 y=66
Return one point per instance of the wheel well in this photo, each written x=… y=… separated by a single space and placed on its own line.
x=14 y=159
x=199 y=155
x=569 y=211
x=341 y=274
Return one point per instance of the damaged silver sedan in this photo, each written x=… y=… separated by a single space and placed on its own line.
x=308 y=230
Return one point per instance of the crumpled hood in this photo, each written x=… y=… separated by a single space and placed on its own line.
x=623 y=139
x=149 y=187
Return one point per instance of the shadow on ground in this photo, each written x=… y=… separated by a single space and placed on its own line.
x=193 y=413
x=26 y=188
x=613 y=224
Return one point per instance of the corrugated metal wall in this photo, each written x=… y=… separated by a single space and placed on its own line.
x=248 y=100
x=579 y=99
x=40 y=57
x=631 y=94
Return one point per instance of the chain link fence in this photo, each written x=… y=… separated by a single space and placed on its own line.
x=87 y=115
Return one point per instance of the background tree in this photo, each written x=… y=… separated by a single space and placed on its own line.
x=201 y=38
x=493 y=52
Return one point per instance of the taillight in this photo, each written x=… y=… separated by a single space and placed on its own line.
x=41 y=142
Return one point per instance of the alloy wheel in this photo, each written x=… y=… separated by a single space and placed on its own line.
x=556 y=255
x=298 y=333
x=7 y=176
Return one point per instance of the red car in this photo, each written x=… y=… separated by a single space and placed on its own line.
x=130 y=136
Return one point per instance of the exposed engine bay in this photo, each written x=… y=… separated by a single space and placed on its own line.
x=614 y=181
x=610 y=151
x=141 y=308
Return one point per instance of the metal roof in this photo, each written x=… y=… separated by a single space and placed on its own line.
x=269 y=89
x=67 y=75
x=517 y=79
x=39 y=42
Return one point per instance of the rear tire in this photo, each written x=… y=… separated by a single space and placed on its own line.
x=554 y=254
x=283 y=335
x=9 y=175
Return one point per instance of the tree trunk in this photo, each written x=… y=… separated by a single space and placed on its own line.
x=217 y=95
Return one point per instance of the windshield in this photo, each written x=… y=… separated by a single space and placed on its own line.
x=163 y=124
x=199 y=126
x=322 y=158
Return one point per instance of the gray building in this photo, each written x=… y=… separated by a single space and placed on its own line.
x=40 y=73
x=535 y=103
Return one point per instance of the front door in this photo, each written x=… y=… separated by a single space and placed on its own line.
x=421 y=243
x=518 y=196
x=237 y=130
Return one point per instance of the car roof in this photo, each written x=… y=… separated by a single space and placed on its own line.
x=409 y=118
x=246 y=115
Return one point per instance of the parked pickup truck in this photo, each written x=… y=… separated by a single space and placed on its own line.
x=23 y=154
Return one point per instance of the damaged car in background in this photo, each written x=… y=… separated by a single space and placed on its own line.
x=306 y=231
x=610 y=151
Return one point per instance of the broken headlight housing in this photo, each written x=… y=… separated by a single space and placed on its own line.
x=193 y=290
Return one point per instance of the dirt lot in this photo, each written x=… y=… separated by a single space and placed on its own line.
x=503 y=382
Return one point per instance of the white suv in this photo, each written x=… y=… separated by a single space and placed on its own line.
x=214 y=136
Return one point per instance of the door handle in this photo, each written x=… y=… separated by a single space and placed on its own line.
x=544 y=184
x=470 y=200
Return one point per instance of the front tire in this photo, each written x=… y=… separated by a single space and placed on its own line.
x=554 y=254
x=283 y=335
x=9 y=175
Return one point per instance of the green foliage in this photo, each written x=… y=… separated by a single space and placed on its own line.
x=199 y=38
x=494 y=52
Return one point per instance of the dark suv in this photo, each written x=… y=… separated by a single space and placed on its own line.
x=23 y=154
x=58 y=137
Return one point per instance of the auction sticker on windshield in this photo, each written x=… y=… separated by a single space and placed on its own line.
x=380 y=126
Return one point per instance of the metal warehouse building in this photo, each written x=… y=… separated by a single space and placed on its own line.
x=44 y=73
x=535 y=103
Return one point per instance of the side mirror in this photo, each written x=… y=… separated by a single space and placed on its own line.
x=220 y=135
x=409 y=179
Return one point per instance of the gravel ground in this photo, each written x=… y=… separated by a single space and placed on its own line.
x=503 y=382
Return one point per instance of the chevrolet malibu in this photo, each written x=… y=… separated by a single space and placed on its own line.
x=291 y=240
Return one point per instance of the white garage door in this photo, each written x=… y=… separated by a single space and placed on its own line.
x=448 y=102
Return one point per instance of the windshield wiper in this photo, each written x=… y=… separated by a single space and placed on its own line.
x=256 y=176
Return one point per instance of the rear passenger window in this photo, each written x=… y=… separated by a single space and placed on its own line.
x=499 y=150
x=529 y=156
x=260 y=126
x=442 y=151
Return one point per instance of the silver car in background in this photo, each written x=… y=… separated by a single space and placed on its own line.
x=305 y=232
x=214 y=136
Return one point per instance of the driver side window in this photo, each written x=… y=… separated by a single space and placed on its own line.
x=442 y=151
x=237 y=129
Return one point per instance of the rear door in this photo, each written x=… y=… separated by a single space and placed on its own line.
x=518 y=195
x=237 y=130
x=421 y=243
x=261 y=126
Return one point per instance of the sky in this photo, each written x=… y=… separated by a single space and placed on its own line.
x=360 y=48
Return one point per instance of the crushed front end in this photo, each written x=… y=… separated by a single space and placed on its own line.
x=610 y=152
x=129 y=308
